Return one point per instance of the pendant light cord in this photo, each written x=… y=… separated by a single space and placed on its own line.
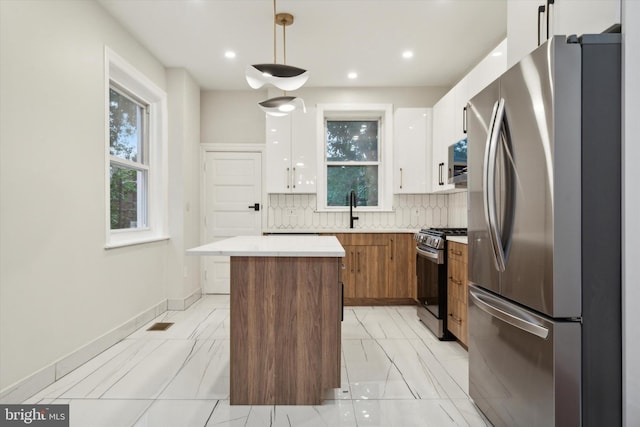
x=284 y=44
x=274 y=32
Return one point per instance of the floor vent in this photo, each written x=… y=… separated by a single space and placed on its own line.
x=160 y=326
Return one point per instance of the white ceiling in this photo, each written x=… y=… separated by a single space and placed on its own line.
x=329 y=38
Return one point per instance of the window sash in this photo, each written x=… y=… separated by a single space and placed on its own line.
x=377 y=149
x=352 y=163
x=142 y=123
x=141 y=205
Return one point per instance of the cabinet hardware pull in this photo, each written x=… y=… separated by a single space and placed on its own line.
x=541 y=9
x=464 y=119
x=549 y=3
x=455 y=319
x=287 y=179
x=456 y=252
x=358 y=266
x=401 y=178
x=293 y=178
x=391 y=240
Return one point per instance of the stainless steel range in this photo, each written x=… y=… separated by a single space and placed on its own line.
x=431 y=272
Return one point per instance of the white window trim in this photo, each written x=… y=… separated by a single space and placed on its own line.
x=355 y=111
x=125 y=75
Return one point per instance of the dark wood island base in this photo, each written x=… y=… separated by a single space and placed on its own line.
x=285 y=329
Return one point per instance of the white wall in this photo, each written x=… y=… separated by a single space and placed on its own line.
x=59 y=287
x=234 y=116
x=631 y=224
x=184 y=184
x=229 y=117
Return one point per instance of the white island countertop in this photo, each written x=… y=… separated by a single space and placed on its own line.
x=273 y=246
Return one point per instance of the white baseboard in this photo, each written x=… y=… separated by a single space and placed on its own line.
x=27 y=387
x=184 y=303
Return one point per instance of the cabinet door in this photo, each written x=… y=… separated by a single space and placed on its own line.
x=372 y=272
x=461 y=97
x=566 y=17
x=489 y=69
x=303 y=151
x=348 y=275
x=443 y=136
x=278 y=154
x=583 y=17
x=411 y=144
x=402 y=277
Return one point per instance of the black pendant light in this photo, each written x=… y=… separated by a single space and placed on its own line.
x=282 y=76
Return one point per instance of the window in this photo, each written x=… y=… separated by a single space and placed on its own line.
x=136 y=185
x=128 y=164
x=356 y=156
x=352 y=161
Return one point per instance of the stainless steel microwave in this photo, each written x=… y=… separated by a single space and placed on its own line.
x=458 y=163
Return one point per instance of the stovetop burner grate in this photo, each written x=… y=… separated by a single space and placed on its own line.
x=443 y=231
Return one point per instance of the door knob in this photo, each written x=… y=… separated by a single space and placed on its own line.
x=255 y=207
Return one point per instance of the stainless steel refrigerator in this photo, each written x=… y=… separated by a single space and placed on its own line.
x=544 y=159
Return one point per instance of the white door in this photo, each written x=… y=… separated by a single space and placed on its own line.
x=232 y=188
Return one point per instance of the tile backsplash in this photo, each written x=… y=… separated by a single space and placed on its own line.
x=410 y=211
x=457 y=210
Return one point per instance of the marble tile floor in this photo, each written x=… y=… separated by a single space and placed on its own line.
x=394 y=373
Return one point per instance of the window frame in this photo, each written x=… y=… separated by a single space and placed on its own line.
x=384 y=114
x=121 y=75
x=142 y=165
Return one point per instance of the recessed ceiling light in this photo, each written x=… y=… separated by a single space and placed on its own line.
x=407 y=54
x=230 y=54
x=496 y=54
x=352 y=75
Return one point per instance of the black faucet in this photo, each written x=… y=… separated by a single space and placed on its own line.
x=353 y=202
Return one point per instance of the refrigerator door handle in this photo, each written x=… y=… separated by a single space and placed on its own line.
x=489 y=183
x=485 y=172
x=512 y=315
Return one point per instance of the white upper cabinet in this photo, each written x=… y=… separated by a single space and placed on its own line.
x=450 y=113
x=489 y=69
x=291 y=153
x=461 y=97
x=566 y=17
x=412 y=150
x=582 y=16
x=444 y=135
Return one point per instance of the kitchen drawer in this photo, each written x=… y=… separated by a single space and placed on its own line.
x=457 y=320
x=457 y=252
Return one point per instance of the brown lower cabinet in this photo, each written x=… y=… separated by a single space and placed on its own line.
x=457 y=321
x=378 y=268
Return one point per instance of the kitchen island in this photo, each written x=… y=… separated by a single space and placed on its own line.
x=286 y=306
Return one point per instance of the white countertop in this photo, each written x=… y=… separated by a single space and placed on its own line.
x=339 y=230
x=459 y=239
x=278 y=246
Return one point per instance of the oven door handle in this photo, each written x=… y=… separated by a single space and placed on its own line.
x=435 y=257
